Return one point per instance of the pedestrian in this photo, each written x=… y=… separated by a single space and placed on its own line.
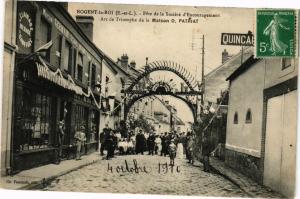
x=151 y=143
x=79 y=139
x=109 y=146
x=172 y=152
x=105 y=134
x=140 y=143
x=190 y=148
x=61 y=134
x=157 y=147
x=180 y=146
x=164 y=145
x=205 y=153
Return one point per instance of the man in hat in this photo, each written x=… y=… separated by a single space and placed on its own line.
x=79 y=139
x=61 y=133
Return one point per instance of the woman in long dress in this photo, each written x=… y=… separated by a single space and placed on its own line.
x=179 y=152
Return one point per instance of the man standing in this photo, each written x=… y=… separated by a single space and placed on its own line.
x=140 y=143
x=151 y=143
x=205 y=153
x=104 y=136
x=79 y=139
x=164 y=144
x=61 y=134
x=190 y=148
x=109 y=144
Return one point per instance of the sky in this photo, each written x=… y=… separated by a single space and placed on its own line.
x=167 y=41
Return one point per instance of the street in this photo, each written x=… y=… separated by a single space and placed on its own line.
x=145 y=174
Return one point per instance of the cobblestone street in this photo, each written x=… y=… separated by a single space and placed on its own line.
x=184 y=180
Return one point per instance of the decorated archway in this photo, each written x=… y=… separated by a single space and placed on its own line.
x=142 y=86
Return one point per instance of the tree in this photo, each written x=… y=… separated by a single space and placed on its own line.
x=141 y=122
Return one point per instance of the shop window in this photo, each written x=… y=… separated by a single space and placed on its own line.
x=285 y=63
x=81 y=117
x=235 y=118
x=32 y=120
x=67 y=65
x=93 y=132
x=45 y=31
x=249 y=116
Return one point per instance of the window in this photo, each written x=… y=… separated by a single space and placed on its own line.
x=236 y=118
x=93 y=76
x=45 y=31
x=249 y=116
x=33 y=118
x=285 y=63
x=80 y=67
x=67 y=65
x=58 y=52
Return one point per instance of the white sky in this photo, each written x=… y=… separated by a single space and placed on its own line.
x=161 y=41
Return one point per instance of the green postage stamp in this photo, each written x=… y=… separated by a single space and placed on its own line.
x=276 y=33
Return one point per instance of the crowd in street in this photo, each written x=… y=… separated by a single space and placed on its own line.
x=172 y=144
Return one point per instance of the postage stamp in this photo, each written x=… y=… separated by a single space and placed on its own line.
x=275 y=33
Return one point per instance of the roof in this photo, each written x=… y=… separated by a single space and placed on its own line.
x=215 y=81
x=243 y=68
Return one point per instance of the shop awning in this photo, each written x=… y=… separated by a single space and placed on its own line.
x=57 y=78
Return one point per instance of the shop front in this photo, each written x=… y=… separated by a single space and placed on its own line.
x=39 y=105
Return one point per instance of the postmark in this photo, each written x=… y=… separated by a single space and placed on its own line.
x=275 y=33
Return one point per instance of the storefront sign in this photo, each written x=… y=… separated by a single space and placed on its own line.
x=25 y=29
x=237 y=39
x=65 y=32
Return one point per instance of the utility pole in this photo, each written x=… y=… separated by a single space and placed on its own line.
x=202 y=78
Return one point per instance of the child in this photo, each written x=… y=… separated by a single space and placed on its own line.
x=172 y=152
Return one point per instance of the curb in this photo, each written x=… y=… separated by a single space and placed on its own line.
x=46 y=181
x=227 y=177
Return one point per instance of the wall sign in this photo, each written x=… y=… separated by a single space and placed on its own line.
x=237 y=39
x=25 y=29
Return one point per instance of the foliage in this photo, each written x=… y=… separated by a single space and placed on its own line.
x=142 y=123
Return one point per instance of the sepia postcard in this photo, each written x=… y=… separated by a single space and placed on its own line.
x=149 y=99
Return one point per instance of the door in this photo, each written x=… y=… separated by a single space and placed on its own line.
x=280 y=147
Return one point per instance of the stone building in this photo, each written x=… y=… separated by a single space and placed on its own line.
x=53 y=76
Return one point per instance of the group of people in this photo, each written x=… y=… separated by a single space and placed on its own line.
x=171 y=144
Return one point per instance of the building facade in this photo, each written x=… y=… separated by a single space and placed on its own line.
x=8 y=75
x=262 y=122
x=56 y=72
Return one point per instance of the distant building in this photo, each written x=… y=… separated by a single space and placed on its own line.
x=215 y=81
x=262 y=122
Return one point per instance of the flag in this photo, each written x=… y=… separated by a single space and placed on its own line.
x=45 y=47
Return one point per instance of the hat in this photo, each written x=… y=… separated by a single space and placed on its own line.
x=82 y=127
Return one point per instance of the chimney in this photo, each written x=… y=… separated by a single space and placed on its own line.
x=132 y=64
x=225 y=56
x=86 y=24
x=124 y=61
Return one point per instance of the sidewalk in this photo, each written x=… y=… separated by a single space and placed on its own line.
x=249 y=186
x=39 y=176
